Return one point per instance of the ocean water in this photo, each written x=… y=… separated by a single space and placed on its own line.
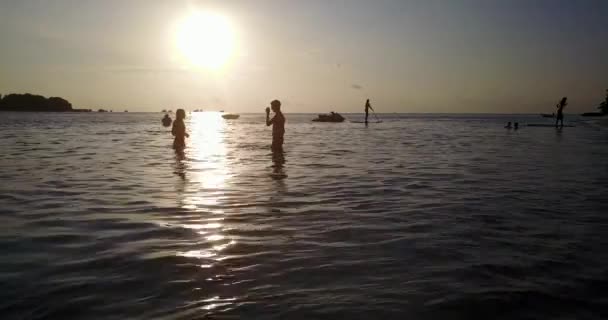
x=418 y=217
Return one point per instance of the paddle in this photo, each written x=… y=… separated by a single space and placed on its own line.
x=375 y=116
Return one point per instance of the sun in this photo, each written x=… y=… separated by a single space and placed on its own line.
x=205 y=40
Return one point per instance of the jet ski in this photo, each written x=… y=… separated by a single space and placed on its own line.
x=331 y=117
x=230 y=116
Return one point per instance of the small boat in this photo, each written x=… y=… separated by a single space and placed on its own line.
x=547 y=115
x=230 y=116
x=331 y=117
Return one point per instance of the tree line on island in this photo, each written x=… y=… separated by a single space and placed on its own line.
x=603 y=107
x=28 y=102
x=32 y=102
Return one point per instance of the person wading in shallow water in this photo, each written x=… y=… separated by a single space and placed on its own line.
x=278 y=125
x=167 y=121
x=560 y=111
x=179 y=130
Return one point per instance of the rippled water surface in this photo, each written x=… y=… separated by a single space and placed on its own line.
x=418 y=217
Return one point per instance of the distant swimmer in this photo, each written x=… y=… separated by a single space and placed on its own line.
x=166 y=121
x=560 y=111
x=278 y=125
x=179 y=130
x=516 y=126
x=367 y=108
x=508 y=126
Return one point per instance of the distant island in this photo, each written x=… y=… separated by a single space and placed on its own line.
x=35 y=103
x=603 y=107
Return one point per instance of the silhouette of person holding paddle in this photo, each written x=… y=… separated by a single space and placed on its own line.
x=367 y=108
x=560 y=111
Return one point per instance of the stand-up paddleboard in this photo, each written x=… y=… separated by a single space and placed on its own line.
x=546 y=125
x=379 y=121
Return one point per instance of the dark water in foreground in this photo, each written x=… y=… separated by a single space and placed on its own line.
x=420 y=217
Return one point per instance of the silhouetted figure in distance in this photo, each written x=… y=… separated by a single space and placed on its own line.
x=560 y=111
x=508 y=126
x=367 y=108
x=167 y=121
x=278 y=125
x=179 y=130
x=516 y=126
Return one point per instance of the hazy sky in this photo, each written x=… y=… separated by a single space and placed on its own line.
x=406 y=56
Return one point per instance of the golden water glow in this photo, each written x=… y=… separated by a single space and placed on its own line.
x=208 y=172
x=205 y=39
x=208 y=149
x=200 y=190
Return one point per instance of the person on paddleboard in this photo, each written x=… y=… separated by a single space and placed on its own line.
x=560 y=111
x=367 y=108
x=278 y=125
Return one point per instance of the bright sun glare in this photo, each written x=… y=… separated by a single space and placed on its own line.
x=205 y=40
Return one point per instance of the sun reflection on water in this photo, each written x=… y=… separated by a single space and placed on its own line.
x=207 y=177
x=216 y=302
x=208 y=149
x=207 y=174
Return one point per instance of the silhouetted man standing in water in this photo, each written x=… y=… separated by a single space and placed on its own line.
x=367 y=107
x=560 y=111
x=278 y=125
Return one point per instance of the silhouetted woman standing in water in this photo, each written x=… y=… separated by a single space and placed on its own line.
x=179 y=130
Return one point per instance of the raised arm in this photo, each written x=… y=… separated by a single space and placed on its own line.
x=268 y=120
